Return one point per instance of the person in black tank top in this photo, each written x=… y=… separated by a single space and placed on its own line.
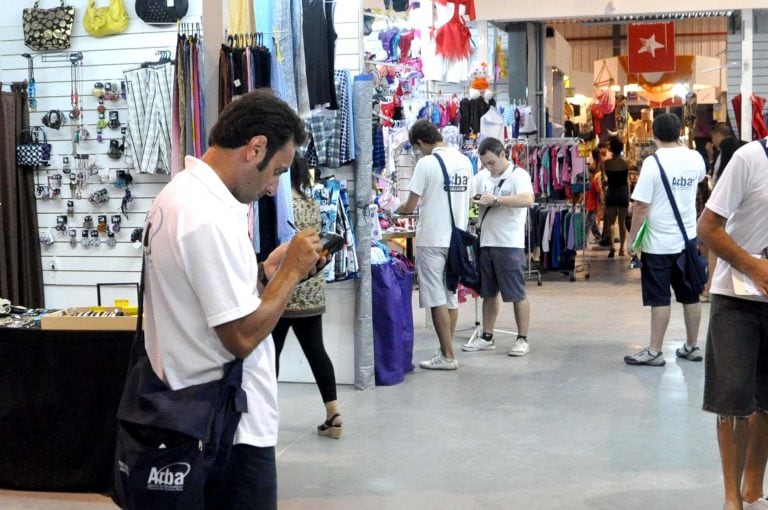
x=616 y=176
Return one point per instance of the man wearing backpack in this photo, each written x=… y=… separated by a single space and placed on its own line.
x=433 y=230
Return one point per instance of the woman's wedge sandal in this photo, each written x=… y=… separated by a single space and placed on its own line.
x=327 y=428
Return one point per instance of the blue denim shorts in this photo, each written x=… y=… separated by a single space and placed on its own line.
x=501 y=270
x=736 y=365
x=657 y=274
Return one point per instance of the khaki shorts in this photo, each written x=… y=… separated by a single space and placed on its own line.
x=430 y=266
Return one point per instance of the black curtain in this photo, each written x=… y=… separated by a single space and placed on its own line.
x=21 y=269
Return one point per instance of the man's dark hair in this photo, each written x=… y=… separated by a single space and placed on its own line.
x=666 y=127
x=615 y=145
x=300 y=174
x=258 y=113
x=723 y=129
x=424 y=131
x=490 y=145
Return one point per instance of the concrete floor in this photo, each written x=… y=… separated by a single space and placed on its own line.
x=568 y=426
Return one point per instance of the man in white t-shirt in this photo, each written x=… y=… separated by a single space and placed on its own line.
x=505 y=193
x=734 y=225
x=433 y=231
x=207 y=300
x=663 y=241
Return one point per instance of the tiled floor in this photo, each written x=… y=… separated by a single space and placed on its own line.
x=569 y=426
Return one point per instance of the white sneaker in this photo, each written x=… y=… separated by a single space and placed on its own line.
x=520 y=348
x=478 y=343
x=759 y=504
x=439 y=362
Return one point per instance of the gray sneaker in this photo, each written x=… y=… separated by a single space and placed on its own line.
x=692 y=355
x=519 y=348
x=478 y=343
x=645 y=357
x=439 y=362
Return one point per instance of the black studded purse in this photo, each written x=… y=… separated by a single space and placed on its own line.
x=48 y=29
x=161 y=11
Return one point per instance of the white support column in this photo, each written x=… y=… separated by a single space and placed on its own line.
x=747 y=30
x=213 y=20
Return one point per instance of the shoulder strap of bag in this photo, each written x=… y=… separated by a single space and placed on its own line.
x=671 y=198
x=137 y=347
x=145 y=244
x=488 y=209
x=765 y=146
x=446 y=186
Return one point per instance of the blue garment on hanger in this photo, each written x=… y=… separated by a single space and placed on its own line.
x=256 y=233
x=265 y=16
x=284 y=204
x=277 y=79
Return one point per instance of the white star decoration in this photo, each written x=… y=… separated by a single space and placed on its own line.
x=650 y=45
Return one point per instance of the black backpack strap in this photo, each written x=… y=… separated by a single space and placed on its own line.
x=137 y=347
x=446 y=185
x=671 y=198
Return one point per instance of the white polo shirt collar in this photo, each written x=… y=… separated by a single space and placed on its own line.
x=203 y=172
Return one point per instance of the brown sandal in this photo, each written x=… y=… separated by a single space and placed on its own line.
x=327 y=428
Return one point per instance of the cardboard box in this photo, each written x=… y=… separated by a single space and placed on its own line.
x=63 y=321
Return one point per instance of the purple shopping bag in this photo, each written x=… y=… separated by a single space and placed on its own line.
x=392 y=319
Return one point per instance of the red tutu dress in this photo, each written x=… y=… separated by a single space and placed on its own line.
x=453 y=40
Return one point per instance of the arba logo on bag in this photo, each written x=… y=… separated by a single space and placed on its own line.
x=168 y=478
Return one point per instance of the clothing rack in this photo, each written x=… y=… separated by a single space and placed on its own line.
x=569 y=141
x=530 y=272
x=190 y=29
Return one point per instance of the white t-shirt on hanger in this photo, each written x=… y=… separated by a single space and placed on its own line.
x=492 y=124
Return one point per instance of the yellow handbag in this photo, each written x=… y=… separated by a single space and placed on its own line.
x=101 y=21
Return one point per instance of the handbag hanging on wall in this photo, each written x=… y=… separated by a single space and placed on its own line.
x=101 y=21
x=161 y=11
x=48 y=29
x=34 y=153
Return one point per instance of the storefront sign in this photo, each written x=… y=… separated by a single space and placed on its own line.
x=651 y=47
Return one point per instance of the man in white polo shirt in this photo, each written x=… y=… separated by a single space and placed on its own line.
x=207 y=300
x=504 y=192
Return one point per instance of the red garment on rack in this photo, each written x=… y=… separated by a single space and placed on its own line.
x=453 y=40
x=406 y=38
x=597 y=119
x=759 y=129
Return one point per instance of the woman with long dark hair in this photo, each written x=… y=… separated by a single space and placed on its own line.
x=304 y=312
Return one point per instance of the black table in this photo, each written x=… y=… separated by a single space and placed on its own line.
x=59 y=392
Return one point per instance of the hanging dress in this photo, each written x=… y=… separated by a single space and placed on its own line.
x=320 y=43
x=453 y=40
